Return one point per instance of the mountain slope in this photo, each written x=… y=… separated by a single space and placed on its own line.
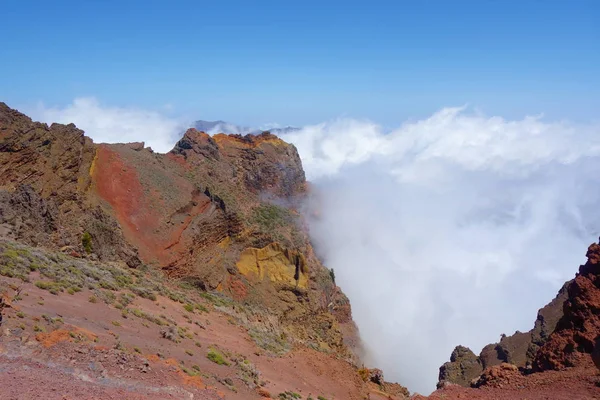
x=216 y=218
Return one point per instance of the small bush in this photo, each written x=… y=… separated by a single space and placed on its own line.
x=52 y=287
x=21 y=314
x=189 y=307
x=188 y=371
x=126 y=299
x=86 y=242
x=216 y=357
x=143 y=292
x=201 y=308
x=189 y=353
x=93 y=299
x=364 y=374
x=289 y=395
x=170 y=333
x=270 y=216
x=137 y=313
x=116 y=323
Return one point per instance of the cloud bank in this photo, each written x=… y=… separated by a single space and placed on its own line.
x=105 y=124
x=450 y=230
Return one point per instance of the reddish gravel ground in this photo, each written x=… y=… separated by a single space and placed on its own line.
x=22 y=379
x=579 y=383
x=95 y=353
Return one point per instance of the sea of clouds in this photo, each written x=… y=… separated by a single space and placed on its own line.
x=448 y=230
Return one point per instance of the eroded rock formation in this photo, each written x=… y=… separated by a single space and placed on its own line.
x=578 y=329
x=218 y=212
x=565 y=335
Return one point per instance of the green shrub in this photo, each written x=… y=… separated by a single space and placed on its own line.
x=86 y=242
x=216 y=357
x=52 y=287
x=270 y=216
x=289 y=395
x=201 y=308
x=143 y=292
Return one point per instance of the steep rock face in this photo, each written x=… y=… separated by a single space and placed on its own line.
x=518 y=349
x=25 y=216
x=566 y=334
x=578 y=329
x=216 y=212
x=44 y=176
x=276 y=264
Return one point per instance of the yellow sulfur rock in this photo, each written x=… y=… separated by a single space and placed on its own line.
x=276 y=263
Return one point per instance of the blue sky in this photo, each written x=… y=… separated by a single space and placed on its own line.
x=306 y=61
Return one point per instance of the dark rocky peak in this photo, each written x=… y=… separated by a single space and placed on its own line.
x=198 y=142
x=518 y=349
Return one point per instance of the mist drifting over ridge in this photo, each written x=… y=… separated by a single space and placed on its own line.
x=448 y=230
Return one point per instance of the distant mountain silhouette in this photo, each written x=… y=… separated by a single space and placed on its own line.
x=220 y=126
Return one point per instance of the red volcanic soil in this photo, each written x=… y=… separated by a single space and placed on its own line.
x=119 y=185
x=150 y=220
x=95 y=353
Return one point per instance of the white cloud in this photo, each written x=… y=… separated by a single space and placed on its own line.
x=450 y=230
x=105 y=124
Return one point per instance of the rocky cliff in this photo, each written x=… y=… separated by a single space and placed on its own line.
x=578 y=329
x=518 y=349
x=217 y=212
x=564 y=335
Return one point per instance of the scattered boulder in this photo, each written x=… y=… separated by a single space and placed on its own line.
x=497 y=376
x=463 y=367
